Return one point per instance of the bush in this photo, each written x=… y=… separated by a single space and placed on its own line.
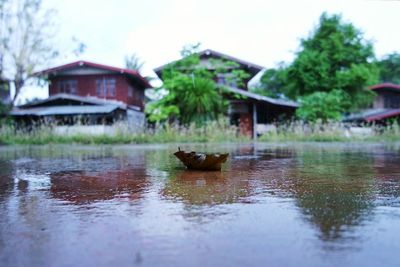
x=323 y=105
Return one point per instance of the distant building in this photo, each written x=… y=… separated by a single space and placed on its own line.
x=386 y=105
x=88 y=93
x=252 y=111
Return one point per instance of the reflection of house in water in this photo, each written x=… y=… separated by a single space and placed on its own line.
x=84 y=188
x=100 y=175
x=6 y=180
x=387 y=181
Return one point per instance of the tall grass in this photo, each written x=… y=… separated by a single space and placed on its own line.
x=331 y=132
x=216 y=131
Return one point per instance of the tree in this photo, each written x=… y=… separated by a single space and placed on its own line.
x=322 y=105
x=334 y=57
x=272 y=81
x=389 y=68
x=193 y=95
x=27 y=40
x=3 y=36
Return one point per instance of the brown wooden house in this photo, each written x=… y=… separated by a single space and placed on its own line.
x=386 y=105
x=99 y=93
x=251 y=110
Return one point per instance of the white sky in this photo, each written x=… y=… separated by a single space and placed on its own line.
x=264 y=32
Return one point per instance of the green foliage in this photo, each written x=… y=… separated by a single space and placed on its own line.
x=158 y=111
x=335 y=56
x=238 y=78
x=272 y=82
x=323 y=105
x=234 y=76
x=389 y=68
x=4 y=109
x=192 y=94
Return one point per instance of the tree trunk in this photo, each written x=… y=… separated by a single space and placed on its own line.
x=18 y=84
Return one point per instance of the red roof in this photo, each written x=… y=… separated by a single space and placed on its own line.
x=83 y=63
x=383 y=115
x=385 y=86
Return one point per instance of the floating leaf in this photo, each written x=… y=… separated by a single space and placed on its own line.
x=201 y=161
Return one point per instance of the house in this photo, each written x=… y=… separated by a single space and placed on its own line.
x=251 y=111
x=88 y=93
x=386 y=105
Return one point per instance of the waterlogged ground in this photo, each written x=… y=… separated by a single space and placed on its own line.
x=272 y=205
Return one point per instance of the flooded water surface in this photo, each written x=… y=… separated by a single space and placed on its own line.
x=271 y=205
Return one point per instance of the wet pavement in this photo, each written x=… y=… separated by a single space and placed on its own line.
x=271 y=205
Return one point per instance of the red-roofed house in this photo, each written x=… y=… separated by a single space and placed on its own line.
x=102 y=90
x=386 y=105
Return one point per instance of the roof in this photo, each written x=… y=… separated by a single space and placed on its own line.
x=384 y=115
x=209 y=52
x=257 y=97
x=70 y=104
x=82 y=63
x=88 y=100
x=254 y=68
x=64 y=110
x=390 y=86
x=371 y=115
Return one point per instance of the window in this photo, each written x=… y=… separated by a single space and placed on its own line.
x=106 y=87
x=392 y=101
x=68 y=87
x=130 y=91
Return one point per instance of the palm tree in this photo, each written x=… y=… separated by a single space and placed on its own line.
x=133 y=62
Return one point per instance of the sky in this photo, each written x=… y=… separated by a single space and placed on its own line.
x=263 y=32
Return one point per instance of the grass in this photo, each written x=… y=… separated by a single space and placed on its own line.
x=218 y=131
x=331 y=132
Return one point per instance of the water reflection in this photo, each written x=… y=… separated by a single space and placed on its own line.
x=327 y=198
x=81 y=187
x=6 y=180
x=206 y=188
x=387 y=172
x=334 y=190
